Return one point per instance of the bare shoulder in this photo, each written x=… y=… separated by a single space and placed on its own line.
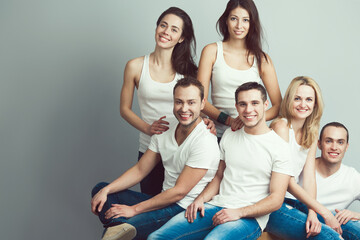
x=280 y=126
x=210 y=49
x=135 y=64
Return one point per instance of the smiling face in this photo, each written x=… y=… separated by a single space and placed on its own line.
x=251 y=107
x=238 y=23
x=188 y=105
x=303 y=102
x=168 y=32
x=333 y=144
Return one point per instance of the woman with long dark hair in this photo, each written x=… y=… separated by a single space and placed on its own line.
x=237 y=59
x=155 y=76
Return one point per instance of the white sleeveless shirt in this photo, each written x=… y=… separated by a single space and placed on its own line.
x=298 y=157
x=155 y=100
x=224 y=81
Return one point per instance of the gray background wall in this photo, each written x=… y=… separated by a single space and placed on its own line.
x=61 y=67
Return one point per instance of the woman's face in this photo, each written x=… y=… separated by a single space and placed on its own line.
x=303 y=102
x=238 y=23
x=169 y=31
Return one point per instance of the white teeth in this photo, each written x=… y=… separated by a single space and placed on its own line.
x=333 y=154
x=249 y=117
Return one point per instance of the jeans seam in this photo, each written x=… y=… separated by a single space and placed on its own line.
x=253 y=233
x=192 y=232
x=353 y=236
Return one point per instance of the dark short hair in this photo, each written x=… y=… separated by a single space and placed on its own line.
x=188 y=81
x=249 y=86
x=335 y=124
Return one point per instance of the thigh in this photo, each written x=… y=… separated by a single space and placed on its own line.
x=245 y=228
x=351 y=230
x=290 y=223
x=179 y=228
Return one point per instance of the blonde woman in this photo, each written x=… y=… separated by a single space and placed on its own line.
x=298 y=124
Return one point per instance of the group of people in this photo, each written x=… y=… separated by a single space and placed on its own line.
x=216 y=170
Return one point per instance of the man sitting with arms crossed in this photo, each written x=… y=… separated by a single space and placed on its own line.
x=190 y=156
x=337 y=184
x=250 y=183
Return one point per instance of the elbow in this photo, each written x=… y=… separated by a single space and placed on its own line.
x=277 y=202
x=123 y=112
x=180 y=194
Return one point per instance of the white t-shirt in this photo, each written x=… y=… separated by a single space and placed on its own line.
x=250 y=160
x=199 y=150
x=340 y=189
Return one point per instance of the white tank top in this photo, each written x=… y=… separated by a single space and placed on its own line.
x=298 y=156
x=155 y=100
x=224 y=81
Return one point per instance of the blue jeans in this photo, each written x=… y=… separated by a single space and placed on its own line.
x=202 y=228
x=289 y=222
x=152 y=183
x=145 y=223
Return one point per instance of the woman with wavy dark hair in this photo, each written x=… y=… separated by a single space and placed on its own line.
x=237 y=59
x=155 y=76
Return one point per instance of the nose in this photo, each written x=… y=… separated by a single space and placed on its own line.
x=303 y=103
x=184 y=107
x=249 y=108
x=333 y=146
x=238 y=24
x=167 y=30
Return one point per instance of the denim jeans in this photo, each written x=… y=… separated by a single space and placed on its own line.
x=202 y=228
x=145 y=223
x=152 y=183
x=289 y=222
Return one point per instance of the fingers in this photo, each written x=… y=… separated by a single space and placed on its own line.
x=202 y=212
x=307 y=227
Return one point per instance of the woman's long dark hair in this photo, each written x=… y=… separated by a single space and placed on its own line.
x=253 y=38
x=182 y=56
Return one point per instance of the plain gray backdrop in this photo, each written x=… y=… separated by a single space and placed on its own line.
x=61 y=71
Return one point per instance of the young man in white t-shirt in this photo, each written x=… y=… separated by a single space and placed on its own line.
x=250 y=183
x=190 y=156
x=338 y=185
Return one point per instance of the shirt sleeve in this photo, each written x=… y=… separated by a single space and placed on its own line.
x=204 y=153
x=154 y=143
x=357 y=185
x=282 y=161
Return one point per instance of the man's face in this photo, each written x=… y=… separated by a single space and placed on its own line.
x=251 y=107
x=333 y=144
x=187 y=105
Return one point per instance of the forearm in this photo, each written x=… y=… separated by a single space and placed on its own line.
x=134 y=120
x=265 y=206
x=272 y=112
x=212 y=112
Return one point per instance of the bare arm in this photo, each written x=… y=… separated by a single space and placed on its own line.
x=131 y=80
x=278 y=185
x=269 y=78
x=207 y=60
x=131 y=177
x=188 y=178
x=209 y=191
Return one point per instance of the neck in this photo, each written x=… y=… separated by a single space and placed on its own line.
x=260 y=128
x=183 y=131
x=325 y=168
x=297 y=125
x=237 y=45
x=162 y=57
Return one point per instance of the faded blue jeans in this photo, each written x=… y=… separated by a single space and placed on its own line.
x=145 y=223
x=289 y=223
x=202 y=228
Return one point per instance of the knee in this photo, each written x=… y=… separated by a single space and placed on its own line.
x=98 y=187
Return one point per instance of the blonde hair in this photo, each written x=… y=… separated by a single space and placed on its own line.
x=311 y=125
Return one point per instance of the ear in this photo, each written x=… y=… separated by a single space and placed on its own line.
x=181 y=40
x=319 y=144
x=202 y=104
x=266 y=104
x=347 y=146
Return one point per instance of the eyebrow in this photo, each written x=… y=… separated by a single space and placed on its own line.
x=340 y=139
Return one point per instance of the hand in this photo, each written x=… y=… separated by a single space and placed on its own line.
x=119 y=210
x=192 y=209
x=98 y=201
x=210 y=125
x=158 y=127
x=236 y=124
x=226 y=215
x=332 y=222
x=313 y=225
x=343 y=216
